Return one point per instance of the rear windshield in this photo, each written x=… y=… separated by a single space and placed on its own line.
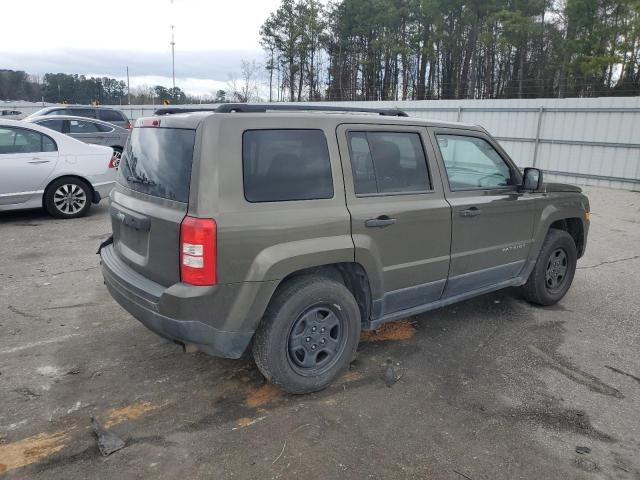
x=157 y=161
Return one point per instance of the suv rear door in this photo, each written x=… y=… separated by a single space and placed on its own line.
x=400 y=220
x=492 y=222
x=150 y=200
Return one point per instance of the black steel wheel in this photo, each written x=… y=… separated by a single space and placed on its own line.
x=316 y=340
x=309 y=333
x=554 y=270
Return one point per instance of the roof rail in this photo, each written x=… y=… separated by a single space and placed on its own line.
x=263 y=108
x=174 y=110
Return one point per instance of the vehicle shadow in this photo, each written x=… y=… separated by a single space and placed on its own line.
x=36 y=216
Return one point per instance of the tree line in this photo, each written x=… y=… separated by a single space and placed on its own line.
x=79 y=89
x=451 y=49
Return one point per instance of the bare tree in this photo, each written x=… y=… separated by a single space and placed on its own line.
x=245 y=88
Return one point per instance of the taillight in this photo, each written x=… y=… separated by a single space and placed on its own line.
x=129 y=126
x=148 y=122
x=198 y=251
x=113 y=163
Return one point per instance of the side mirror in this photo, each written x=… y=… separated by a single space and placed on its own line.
x=532 y=179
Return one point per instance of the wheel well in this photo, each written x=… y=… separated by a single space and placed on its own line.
x=93 y=192
x=116 y=147
x=574 y=227
x=352 y=275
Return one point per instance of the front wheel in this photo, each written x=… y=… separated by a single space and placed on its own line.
x=309 y=333
x=554 y=271
x=68 y=197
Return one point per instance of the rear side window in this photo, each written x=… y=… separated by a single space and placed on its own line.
x=388 y=162
x=103 y=128
x=285 y=165
x=82 y=112
x=157 y=161
x=111 y=116
x=78 y=126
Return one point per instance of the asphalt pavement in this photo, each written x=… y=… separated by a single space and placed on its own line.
x=491 y=388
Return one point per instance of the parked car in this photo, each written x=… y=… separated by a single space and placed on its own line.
x=12 y=114
x=43 y=168
x=86 y=130
x=110 y=115
x=289 y=232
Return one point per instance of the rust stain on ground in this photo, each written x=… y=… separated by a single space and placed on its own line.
x=244 y=422
x=400 y=330
x=262 y=395
x=350 y=376
x=130 y=412
x=31 y=450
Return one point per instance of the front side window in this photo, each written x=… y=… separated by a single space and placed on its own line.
x=472 y=163
x=19 y=140
x=57 y=125
x=388 y=162
x=285 y=165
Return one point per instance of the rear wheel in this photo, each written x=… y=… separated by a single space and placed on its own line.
x=309 y=333
x=117 y=152
x=68 y=197
x=554 y=271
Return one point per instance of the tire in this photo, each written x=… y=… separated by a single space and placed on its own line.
x=68 y=197
x=554 y=270
x=308 y=334
x=117 y=151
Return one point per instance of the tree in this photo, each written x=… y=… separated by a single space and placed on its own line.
x=418 y=49
x=245 y=89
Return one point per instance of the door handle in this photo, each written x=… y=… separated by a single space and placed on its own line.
x=380 y=222
x=37 y=161
x=470 y=212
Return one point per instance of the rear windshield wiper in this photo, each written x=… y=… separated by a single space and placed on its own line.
x=144 y=181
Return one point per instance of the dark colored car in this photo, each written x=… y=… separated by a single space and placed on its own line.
x=86 y=130
x=109 y=115
x=290 y=232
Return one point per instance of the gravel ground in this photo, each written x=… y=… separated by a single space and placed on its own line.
x=491 y=388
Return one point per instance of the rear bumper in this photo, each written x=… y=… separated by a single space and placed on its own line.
x=101 y=190
x=143 y=299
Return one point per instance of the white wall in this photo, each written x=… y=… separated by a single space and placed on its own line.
x=592 y=141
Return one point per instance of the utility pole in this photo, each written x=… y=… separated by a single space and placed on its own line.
x=173 y=61
x=128 y=87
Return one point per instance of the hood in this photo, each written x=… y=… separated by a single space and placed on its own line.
x=562 y=187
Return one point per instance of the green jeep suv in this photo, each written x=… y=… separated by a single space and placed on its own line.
x=288 y=230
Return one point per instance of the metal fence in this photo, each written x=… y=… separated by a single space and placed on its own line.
x=589 y=141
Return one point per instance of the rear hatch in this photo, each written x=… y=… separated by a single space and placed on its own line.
x=151 y=199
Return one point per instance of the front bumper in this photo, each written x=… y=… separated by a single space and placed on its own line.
x=142 y=298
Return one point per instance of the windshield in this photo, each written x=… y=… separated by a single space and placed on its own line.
x=157 y=161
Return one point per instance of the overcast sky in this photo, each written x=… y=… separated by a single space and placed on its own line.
x=102 y=37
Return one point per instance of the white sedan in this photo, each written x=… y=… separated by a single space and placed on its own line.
x=40 y=167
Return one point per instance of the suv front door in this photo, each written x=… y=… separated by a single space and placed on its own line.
x=492 y=222
x=400 y=221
